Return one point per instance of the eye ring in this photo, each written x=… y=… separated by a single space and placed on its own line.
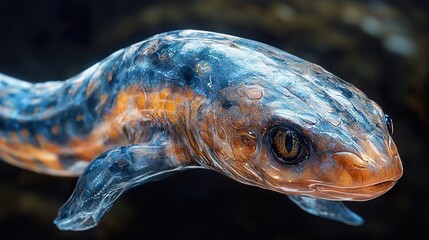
x=389 y=124
x=288 y=146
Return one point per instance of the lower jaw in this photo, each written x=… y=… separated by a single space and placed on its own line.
x=363 y=193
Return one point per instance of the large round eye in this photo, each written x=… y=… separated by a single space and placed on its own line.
x=288 y=146
x=389 y=124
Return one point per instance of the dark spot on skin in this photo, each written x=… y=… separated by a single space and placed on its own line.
x=92 y=101
x=153 y=59
x=78 y=121
x=226 y=104
x=347 y=93
x=186 y=73
x=2 y=124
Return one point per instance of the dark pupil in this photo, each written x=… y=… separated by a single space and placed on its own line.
x=286 y=145
x=289 y=141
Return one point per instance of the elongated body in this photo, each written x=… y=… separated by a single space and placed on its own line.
x=199 y=99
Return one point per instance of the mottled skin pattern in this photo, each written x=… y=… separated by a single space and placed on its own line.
x=199 y=99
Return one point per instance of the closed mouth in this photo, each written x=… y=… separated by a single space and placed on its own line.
x=360 y=193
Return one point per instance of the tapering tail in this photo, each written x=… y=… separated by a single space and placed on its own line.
x=20 y=99
x=23 y=109
x=58 y=127
x=7 y=82
x=38 y=120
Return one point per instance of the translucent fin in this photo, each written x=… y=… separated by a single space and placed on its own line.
x=333 y=210
x=107 y=177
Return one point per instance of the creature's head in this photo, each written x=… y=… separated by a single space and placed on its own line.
x=290 y=126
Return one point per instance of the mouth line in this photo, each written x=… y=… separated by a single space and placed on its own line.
x=364 y=192
x=352 y=193
x=377 y=184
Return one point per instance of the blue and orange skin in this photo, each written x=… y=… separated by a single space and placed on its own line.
x=198 y=99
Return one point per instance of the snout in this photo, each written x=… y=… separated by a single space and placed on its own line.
x=364 y=176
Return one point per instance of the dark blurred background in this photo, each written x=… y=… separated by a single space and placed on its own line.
x=382 y=47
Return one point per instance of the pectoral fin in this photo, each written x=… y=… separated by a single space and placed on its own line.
x=333 y=210
x=107 y=177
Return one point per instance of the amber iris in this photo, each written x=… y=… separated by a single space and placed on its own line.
x=287 y=145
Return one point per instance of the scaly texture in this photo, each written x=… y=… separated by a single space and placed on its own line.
x=192 y=98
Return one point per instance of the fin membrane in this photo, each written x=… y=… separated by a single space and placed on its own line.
x=107 y=178
x=333 y=210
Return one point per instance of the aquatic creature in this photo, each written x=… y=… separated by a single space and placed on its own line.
x=194 y=99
